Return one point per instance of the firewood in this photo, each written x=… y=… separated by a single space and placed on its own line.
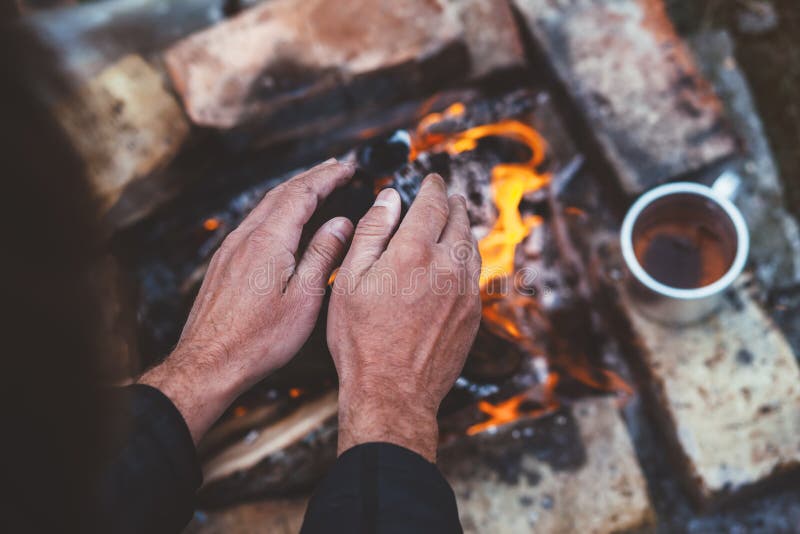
x=271 y=439
x=229 y=429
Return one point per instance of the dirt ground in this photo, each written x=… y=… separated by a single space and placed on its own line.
x=768 y=50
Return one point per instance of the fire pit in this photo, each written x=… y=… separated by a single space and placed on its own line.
x=573 y=413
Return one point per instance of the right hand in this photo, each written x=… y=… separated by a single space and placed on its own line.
x=403 y=315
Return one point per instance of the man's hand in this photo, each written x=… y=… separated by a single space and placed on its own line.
x=404 y=312
x=258 y=304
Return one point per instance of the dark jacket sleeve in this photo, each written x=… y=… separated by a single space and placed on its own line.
x=382 y=488
x=152 y=472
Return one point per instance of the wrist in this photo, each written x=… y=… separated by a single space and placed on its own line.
x=388 y=417
x=199 y=391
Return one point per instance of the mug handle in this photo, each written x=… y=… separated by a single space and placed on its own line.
x=727 y=185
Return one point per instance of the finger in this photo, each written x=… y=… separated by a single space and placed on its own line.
x=428 y=213
x=290 y=205
x=457 y=228
x=372 y=234
x=324 y=252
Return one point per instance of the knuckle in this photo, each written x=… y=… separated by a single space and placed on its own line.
x=323 y=251
x=438 y=210
x=300 y=187
x=370 y=226
x=277 y=191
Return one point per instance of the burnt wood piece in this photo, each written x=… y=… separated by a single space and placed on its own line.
x=635 y=84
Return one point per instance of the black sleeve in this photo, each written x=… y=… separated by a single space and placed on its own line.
x=382 y=488
x=152 y=471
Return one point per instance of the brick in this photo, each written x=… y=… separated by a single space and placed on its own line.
x=491 y=35
x=636 y=85
x=287 y=68
x=291 y=59
x=573 y=472
x=125 y=125
x=729 y=393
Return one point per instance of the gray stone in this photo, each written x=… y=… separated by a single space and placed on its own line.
x=728 y=389
x=775 y=239
x=576 y=473
x=637 y=86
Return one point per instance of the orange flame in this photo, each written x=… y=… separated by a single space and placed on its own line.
x=211 y=224
x=510 y=182
x=509 y=411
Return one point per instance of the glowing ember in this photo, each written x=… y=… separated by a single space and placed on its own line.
x=211 y=224
x=239 y=411
x=295 y=392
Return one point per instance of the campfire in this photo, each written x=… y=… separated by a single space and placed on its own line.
x=573 y=412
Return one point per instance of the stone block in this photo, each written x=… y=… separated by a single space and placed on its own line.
x=728 y=389
x=636 y=85
x=125 y=125
x=572 y=472
x=287 y=68
x=774 y=233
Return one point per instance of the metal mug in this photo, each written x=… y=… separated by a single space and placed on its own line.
x=685 y=201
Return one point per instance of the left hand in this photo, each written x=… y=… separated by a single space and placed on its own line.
x=257 y=304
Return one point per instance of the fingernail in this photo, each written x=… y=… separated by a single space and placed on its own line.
x=338 y=227
x=329 y=161
x=386 y=198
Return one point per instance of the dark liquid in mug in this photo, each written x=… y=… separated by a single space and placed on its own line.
x=682 y=254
